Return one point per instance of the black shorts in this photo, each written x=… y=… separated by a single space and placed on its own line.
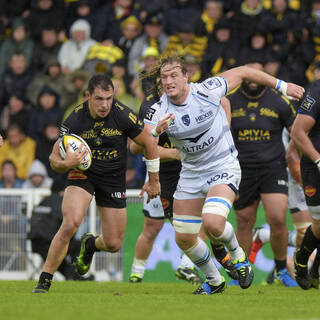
x=168 y=183
x=311 y=183
x=111 y=194
x=255 y=181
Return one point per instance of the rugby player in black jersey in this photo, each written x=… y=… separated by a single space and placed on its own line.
x=306 y=136
x=105 y=124
x=258 y=116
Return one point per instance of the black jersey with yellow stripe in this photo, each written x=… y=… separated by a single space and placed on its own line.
x=106 y=137
x=257 y=124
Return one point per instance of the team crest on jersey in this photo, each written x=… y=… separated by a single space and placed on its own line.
x=310 y=191
x=212 y=83
x=186 y=120
x=307 y=103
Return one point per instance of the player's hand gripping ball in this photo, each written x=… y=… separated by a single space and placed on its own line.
x=74 y=142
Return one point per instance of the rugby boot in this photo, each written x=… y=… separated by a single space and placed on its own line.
x=188 y=274
x=245 y=272
x=301 y=273
x=284 y=278
x=206 y=288
x=229 y=267
x=257 y=244
x=42 y=287
x=314 y=277
x=83 y=261
x=135 y=278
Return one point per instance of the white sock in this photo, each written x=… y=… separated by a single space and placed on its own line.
x=186 y=262
x=201 y=257
x=292 y=239
x=264 y=235
x=229 y=239
x=138 y=266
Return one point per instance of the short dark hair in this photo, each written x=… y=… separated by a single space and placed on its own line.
x=99 y=81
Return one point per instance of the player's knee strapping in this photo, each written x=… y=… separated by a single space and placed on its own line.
x=217 y=205
x=186 y=224
x=301 y=227
x=315 y=212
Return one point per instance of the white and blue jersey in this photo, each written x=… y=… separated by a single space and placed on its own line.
x=200 y=131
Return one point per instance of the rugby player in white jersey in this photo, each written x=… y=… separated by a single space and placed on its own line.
x=193 y=118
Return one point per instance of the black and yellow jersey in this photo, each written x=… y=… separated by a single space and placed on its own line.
x=310 y=106
x=257 y=124
x=107 y=137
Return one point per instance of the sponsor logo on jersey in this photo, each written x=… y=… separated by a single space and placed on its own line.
x=109 y=132
x=254 y=135
x=310 y=191
x=307 y=103
x=104 y=154
x=252 y=117
x=150 y=113
x=222 y=176
x=165 y=203
x=76 y=175
x=63 y=130
x=198 y=147
x=204 y=116
x=202 y=94
x=118 y=195
x=282 y=183
x=212 y=83
x=268 y=113
x=98 y=124
x=186 y=120
x=238 y=113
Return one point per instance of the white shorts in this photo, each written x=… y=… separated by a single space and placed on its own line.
x=197 y=185
x=296 y=197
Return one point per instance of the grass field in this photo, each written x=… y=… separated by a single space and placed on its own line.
x=166 y=301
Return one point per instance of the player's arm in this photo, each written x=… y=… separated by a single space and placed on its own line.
x=1 y=140
x=235 y=76
x=293 y=162
x=150 y=146
x=299 y=134
x=72 y=159
x=226 y=105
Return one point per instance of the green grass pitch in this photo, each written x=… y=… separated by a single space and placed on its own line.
x=114 y=301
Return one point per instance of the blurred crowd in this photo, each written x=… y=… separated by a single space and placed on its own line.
x=50 y=48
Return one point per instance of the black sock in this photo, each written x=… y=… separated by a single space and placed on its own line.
x=219 y=251
x=309 y=243
x=280 y=264
x=91 y=246
x=45 y=277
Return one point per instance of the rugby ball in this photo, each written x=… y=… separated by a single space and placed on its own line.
x=74 y=142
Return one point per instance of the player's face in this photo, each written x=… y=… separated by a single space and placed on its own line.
x=100 y=102
x=174 y=82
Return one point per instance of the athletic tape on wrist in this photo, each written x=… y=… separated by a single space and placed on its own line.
x=281 y=86
x=152 y=165
x=317 y=162
x=154 y=131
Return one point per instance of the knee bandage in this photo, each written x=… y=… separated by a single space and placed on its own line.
x=217 y=205
x=186 y=224
x=315 y=212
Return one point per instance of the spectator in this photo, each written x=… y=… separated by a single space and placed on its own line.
x=130 y=30
x=46 y=50
x=186 y=42
x=153 y=36
x=45 y=13
x=18 y=41
x=193 y=67
x=17 y=111
x=9 y=176
x=37 y=176
x=47 y=110
x=209 y=17
x=17 y=78
x=222 y=52
x=52 y=77
x=182 y=10
x=18 y=148
x=73 y=52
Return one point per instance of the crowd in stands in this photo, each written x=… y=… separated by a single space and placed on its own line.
x=50 y=48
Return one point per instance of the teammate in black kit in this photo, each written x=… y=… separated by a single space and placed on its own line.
x=105 y=124
x=306 y=136
x=259 y=115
